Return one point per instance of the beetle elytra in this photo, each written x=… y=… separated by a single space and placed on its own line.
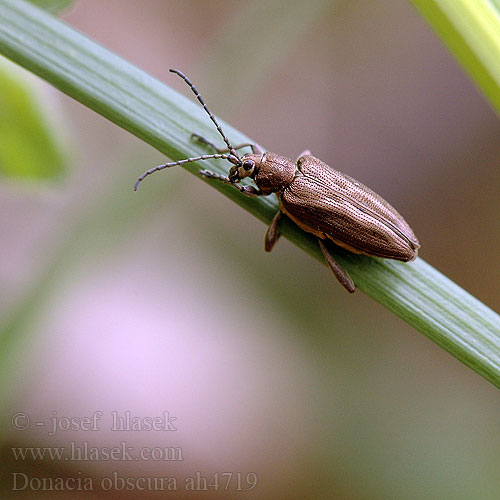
x=319 y=199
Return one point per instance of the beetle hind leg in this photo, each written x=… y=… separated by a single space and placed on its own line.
x=341 y=275
x=273 y=232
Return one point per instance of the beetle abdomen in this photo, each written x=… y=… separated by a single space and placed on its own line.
x=329 y=203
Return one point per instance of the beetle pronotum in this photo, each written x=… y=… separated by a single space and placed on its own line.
x=318 y=198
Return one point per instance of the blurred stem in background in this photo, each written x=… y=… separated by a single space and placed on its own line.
x=471 y=31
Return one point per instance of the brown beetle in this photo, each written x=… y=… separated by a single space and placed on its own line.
x=319 y=199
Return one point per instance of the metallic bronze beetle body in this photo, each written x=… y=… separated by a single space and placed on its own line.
x=319 y=199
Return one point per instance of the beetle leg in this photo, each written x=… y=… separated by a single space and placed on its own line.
x=341 y=275
x=306 y=152
x=248 y=190
x=198 y=138
x=273 y=232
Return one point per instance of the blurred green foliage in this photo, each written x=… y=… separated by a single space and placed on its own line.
x=29 y=146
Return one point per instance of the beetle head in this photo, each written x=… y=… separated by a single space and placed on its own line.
x=247 y=167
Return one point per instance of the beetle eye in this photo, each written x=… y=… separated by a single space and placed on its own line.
x=248 y=164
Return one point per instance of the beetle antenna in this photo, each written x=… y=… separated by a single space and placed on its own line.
x=232 y=151
x=235 y=161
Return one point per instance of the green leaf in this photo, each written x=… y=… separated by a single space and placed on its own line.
x=471 y=30
x=116 y=89
x=28 y=142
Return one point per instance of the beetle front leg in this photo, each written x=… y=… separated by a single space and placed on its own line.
x=199 y=138
x=273 y=232
x=247 y=190
x=341 y=275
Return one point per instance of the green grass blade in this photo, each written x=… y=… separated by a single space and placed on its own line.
x=471 y=31
x=416 y=292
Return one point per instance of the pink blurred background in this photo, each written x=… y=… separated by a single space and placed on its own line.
x=166 y=301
